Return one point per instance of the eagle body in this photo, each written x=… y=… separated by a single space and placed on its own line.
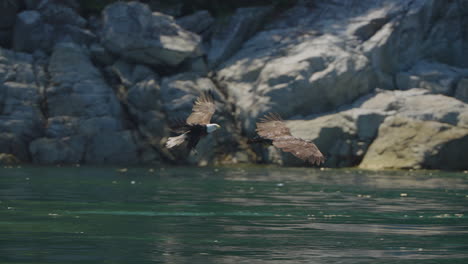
x=271 y=129
x=197 y=124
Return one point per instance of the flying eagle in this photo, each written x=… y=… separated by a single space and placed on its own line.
x=273 y=130
x=197 y=124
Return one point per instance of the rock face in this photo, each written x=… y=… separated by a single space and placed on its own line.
x=317 y=58
x=85 y=122
x=390 y=129
x=22 y=82
x=227 y=38
x=375 y=84
x=52 y=22
x=131 y=30
x=198 y=22
x=435 y=77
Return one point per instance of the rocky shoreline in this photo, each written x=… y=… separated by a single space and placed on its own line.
x=375 y=84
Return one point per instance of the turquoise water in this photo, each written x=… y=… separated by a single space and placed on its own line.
x=231 y=215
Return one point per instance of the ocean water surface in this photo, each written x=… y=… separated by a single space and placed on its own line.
x=231 y=215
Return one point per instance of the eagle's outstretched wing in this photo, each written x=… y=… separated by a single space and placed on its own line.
x=272 y=127
x=203 y=109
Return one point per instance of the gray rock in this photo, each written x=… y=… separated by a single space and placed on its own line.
x=131 y=30
x=112 y=148
x=100 y=54
x=333 y=134
x=62 y=126
x=65 y=150
x=406 y=143
x=145 y=95
x=8 y=159
x=263 y=81
x=61 y=13
x=13 y=144
x=144 y=103
x=418 y=31
x=461 y=92
x=228 y=38
x=178 y=93
x=435 y=77
x=141 y=98
x=344 y=137
x=78 y=88
x=71 y=33
x=31 y=32
x=99 y=125
x=21 y=119
x=44 y=28
x=86 y=121
x=198 y=22
x=123 y=70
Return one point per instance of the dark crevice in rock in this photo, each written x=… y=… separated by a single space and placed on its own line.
x=121 y=91
x=239 y=135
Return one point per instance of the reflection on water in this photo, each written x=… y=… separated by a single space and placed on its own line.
x=232 y=215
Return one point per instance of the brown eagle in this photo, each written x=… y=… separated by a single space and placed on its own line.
x=197 y=124
x=273 y=130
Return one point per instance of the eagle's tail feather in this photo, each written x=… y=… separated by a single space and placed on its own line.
x=175 y=141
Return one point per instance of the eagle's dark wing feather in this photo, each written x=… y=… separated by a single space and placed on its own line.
x=273 y=128
x=203 y=109
x=300 y=148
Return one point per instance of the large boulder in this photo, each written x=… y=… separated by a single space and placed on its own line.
x=360 y=131
x=134 y=32
x=435 y=77
x=52 y=22
x=409 y=144
x=229 y=36
x=8 y=159
x=83 y=114
x=420 y=30
x=199 y=22
x=31 y=32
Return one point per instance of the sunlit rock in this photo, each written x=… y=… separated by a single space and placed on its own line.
x=134 y=32
x=435 y=77
x=407 y=143
x=344 y=137
x=8 y=159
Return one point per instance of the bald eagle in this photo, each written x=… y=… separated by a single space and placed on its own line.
x=273 y=130
x=197 y=124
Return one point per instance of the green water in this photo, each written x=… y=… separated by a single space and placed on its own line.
x=231 y=215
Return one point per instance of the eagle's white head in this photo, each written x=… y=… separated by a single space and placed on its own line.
x=212 y=127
